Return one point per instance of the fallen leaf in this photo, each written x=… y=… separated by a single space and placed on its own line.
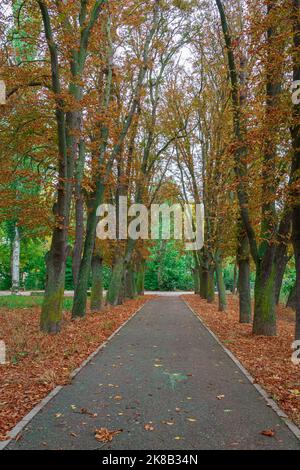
x=149 y=427
x=268 y=433
x=295 y=392
x=104 y=435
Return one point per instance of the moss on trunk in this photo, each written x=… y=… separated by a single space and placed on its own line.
x=97 y=284
x=221 y=286
x=115 y=286
x=265 y=302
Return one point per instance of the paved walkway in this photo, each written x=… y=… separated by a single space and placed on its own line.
x=165 y=370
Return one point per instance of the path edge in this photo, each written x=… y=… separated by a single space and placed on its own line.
x=15 y=431
x=270 y=402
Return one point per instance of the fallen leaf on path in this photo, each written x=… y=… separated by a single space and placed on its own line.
x=104 y=435
x=268 y=433
x=220 y=397
x=149 y=427
x=84 y=411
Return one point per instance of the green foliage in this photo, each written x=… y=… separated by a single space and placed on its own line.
x=288 y=281
x=69 y=285
x=20 y=301
x=169 y=268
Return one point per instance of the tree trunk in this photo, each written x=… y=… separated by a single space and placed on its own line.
x=265 y=302
x=115 y=286
x=140 y=279
x=235 y=279
x=207 y=283
x=244 y=280
x=130 y=292
x=281 y=262
x=51 y=315
x=196 y=277
x=221 y=285
x=97 y=284
x=297 y=256
x=210 y=294
x=15 y=261
x=79 y=240
x=291 y=302
x=80 y=296
x=79 y=214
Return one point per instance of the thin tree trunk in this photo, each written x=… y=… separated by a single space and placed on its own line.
x=203 y=280
x=221 y=285
x=196 y=278
x=244 y=279
x=210 y=295
x=281 y=263
x=80 y=296
x=140 y=278
x=15 y=261
x=292 y=301
x=97 y=284
x=130 y=290
x=115 y=286
x=235 y=279
x=79 y=214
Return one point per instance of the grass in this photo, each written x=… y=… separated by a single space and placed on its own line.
x=19 y=301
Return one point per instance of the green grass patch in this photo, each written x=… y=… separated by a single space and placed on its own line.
x=19 y=301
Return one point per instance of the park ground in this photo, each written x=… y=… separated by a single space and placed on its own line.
x=37 y=363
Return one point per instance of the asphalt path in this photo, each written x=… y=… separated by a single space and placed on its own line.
x=166 y=384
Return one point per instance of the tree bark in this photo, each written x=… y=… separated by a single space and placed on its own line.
x=97 y=284
x=292 y=301
x=265 y=302
x=115 y=286
x=15 y=261
x=140 y=278
x=196 y=278
x=221 y=285
x=243 y=257
x=79 y=214
x=281 y=263
x=130 y=287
